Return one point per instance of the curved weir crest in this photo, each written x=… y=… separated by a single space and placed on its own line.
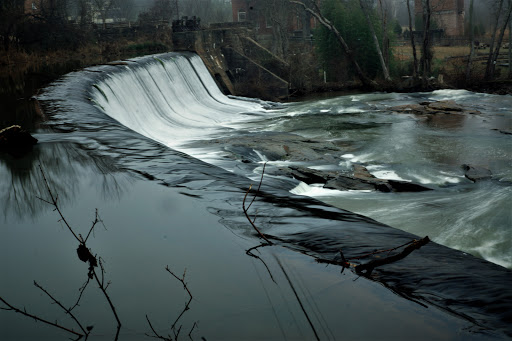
x=169 y=99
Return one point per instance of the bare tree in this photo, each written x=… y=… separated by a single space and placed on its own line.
x=161 y=10
x=426 y=46
x=314 y=10
x=471 y=41
x=413 y=44
x=11 y=16
x=384 y=15
x=126 y=9
x=278 y=14
x=494 y=49
x=510 y=45
x=209 y=11
x=364 y=7
x=102 y=7
x=84 y=13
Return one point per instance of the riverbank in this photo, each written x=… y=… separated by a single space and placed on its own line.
x=23 y=74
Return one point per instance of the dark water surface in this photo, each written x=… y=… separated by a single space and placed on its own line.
x=163 y=207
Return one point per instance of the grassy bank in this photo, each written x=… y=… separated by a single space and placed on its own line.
x=451 y=62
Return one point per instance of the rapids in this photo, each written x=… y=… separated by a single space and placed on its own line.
x=175 y=100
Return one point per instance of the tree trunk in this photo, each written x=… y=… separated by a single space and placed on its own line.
x=350 y=54
x=493 y=39
x=385 y=36
x=426 y=48
x=413 y=44
x=471 y=42
x=496 y=53
x=376 y=42
x=510 y=45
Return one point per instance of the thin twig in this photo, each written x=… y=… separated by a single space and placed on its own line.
x=249 y=218
x=54 y=203
x=182 y=280
x=191 y=330
x=68 y=311
x=249 y=253
x=37 y=318
x=156 y=336
x=96 y=220
x=112 y=307
x=175 y=331
x=81 y=290
x=259 y=186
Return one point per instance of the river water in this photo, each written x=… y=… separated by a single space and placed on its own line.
x=167 y=160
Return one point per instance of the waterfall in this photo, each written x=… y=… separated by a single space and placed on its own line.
x=169 y=98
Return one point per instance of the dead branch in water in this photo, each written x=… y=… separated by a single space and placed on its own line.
x=251 y=221
x=37 y=318
x=85 y=255
x=367 y=268
x=175 y=331
x=68 y=311
x=249 y=253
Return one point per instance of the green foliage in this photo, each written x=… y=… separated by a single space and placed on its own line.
x=350 y=21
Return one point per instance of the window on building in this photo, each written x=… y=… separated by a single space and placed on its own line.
x=242 y=15
x=34 y=7
x=268 y=23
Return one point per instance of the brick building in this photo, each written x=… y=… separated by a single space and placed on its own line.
x=448 y=14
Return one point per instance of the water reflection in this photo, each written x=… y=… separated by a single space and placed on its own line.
x=444 y=121
x=64 y=165
x=19 y=83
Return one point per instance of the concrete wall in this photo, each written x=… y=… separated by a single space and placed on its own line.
x=238 y=63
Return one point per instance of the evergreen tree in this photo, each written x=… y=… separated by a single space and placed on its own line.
x=350 y=21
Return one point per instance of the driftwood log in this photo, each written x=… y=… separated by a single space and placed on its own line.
x=367 y=268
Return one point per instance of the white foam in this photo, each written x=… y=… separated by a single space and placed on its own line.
x=170 y=100
x=317 y=190
x=387 y=175
x=350 y=110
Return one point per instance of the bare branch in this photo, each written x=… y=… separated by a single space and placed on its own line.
x=54 y=203
x=366 y=269
x=156 y=336
x=68 y=311
x=246 y=208
x=104 y=290
x=81 y=290
x=187 y=305
x=37 y=318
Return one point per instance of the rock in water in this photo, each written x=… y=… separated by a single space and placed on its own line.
x=16 y=141
x=476 y=173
